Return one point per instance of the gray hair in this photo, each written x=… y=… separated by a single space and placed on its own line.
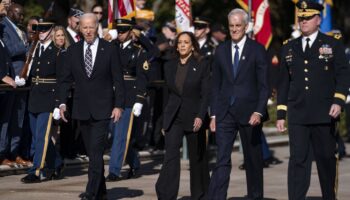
x=238 y=11
x=91 y=16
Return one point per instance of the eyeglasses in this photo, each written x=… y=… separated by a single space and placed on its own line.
x=98 y=13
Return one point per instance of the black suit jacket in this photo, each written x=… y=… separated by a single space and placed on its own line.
x=249 y=87
x=6 y=68
x=94 y=97
x=193 y=102
x=310 y=84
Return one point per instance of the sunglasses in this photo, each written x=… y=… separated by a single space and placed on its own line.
x=98 y=13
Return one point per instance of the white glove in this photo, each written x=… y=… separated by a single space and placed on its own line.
x=137 y=108
x=20 y=81
x=347 y=99
x=56 y=114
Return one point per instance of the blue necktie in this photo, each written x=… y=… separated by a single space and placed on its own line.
x=235 y=61
x=235 y=67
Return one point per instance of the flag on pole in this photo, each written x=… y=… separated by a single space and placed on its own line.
x=120 y=9
x=262 y=23
x=326 y=24
x=183 y=16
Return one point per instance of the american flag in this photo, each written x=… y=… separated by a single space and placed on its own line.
x=120 y=9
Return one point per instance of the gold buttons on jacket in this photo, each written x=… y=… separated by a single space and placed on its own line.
x=306 y=79
x=306 y=87
x=306 y=70
x=38 y=63
x=306 y=62
x=37 y=69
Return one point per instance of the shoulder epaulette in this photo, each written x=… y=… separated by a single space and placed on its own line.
x=138 y=46
x=337 y=36
x=286 y=41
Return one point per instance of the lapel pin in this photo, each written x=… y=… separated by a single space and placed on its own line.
x=243 y=57
x=50 y=48
x=194 y=69
x=102 y=49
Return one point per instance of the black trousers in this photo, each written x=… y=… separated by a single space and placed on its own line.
x=94 y=133
x=321 y=138
x=226 y=132
x=167 y=185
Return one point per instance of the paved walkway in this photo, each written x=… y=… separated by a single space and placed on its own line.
x=142 y=188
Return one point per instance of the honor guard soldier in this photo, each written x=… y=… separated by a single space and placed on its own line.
x=135 y=68
x=312 y=90
x=201 y=31
x=47 y=163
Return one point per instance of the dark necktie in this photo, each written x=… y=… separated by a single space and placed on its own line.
x=235 y=61
x=41 y=50
x=77 y=37
x=235 y=67
x=307 y=47
x=88 y=60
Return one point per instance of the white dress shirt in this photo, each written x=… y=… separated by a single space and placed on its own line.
x=73 y=34
x=125 y=44
x=312 y=40
x=240 y=45
x=46 y=44
x=93 y=48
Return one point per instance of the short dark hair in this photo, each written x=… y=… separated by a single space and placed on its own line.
x=195 y=45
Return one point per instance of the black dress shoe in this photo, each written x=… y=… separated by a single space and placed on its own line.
x=273 y=161
x=242 y=166
x=112 y=178
x=57 y=175
x=132 y=173
x=31 y=178
x=85 y=196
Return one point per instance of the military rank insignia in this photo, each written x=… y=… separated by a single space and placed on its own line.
x=289 y=56
x=326 y=52
x=146 y=65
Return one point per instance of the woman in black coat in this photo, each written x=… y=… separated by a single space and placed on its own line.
x=187 y=78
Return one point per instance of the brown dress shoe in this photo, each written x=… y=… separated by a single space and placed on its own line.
x=20 y=161
x=7 y=162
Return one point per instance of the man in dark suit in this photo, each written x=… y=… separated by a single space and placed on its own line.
x=239 y=96
x=16 y=41
x=93 y=64
x=313 y=85
x=7 y=76
x=73 y=25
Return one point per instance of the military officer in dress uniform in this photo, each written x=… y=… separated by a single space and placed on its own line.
x=135 y=69
x=312 y=89
x=47 y=163
x=201 y=31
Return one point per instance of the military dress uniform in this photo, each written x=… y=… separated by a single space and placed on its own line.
x=208 y=48
x=135 y=70
x=311 y=80
x=42 y=100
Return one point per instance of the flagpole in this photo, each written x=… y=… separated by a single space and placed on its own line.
x=250 y=34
